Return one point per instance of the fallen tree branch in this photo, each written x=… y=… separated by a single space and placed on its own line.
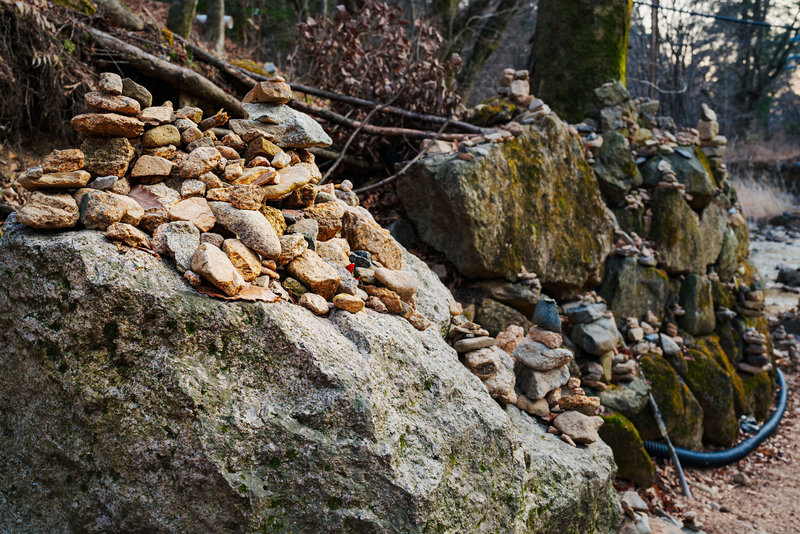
x=179 y=77
x=355 y=133
x=406 y=166
x=350 y=160
x=218 y=62
x=435 y=119
x=385 y=131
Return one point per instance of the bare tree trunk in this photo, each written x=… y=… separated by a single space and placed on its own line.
x=181 y=16
x=215 y=25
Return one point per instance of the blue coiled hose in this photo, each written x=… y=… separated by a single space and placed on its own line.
x=714 y=459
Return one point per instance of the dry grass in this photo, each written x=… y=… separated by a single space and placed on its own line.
x=779 y=148
x=761 y=200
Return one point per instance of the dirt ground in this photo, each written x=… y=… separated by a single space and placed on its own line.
x=761 y=493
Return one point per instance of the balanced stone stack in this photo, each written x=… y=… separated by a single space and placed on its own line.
x=240 y=217
x=479 y=354
x=515 y=85
x=595 y=332
x=751 y=304
x=712 y=144
x=755 y=352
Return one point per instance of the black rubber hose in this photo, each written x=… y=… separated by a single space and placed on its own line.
x=713 y=459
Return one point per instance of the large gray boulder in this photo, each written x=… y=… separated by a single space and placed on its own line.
x=132 y=403
x=532 y=201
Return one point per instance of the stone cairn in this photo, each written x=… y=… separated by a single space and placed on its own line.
x=242 y=213
x=530 y=371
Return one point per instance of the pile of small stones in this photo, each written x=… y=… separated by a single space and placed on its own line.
x=755 y=352
x=530 y=371
x=242 y=213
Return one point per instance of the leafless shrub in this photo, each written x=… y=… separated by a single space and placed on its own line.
x=761 y=200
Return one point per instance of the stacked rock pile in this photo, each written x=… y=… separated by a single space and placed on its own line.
x=478 y=352
x=755 y=352
x=530 y=371
x=711 y=143
x=515 y=85
x=595 y=332
x=243 y=212
x=751 y=303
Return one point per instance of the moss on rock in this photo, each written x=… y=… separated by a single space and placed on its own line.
x=682 y=414
x=632 y=289
x=532 y=201
x=591 y=36
x=633 y=462
x=713 y=389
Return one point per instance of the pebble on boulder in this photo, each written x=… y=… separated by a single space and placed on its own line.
x=50 y=212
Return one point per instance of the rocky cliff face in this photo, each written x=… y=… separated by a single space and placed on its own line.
x=132 y=403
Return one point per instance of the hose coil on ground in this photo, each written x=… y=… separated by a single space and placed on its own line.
x=718 y=458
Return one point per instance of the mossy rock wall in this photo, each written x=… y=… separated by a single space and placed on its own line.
x=532 y=201
x=577 y=46
x=632 y=289
x=633 y=462
x=712 y=387
x=682 y=414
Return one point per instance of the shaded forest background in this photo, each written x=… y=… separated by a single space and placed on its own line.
x=746 y=70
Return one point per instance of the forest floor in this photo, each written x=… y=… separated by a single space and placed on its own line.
x=761 y=493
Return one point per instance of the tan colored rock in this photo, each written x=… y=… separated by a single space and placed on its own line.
x=107 y=156
x=545 y=337
x=133 y=211
x=234 y=141
x=152 y=166
x=163 y=135
x=374 y=303
x=199 y=162
x=234 y=171
x=363 y=234
x=246 y=197
x=275 y=218
x=350 y=303
x=211 y=180
x=67 y=160
x=50 y=212
x=244 y=259
x=510 y=338
x=155 y=115
x=390 y=299
x=538 y=407
x=501 y=385
x=102 y=209
x=192 y=113
x=581 y=428
x=214 y=265
x=250 y=226
x=56 y=180
x=273 y=91
x=315 y=274
x=258 y=176
x=328 y=217
x=261 y=147
x=290 y=180
x=315 y=303
x=193 y=188
x=169 y=152
x=127 y=234
x=292 y=246
x=227 y=152
x=580 y=403
x=191 y=135
x=153 y=218
x=281 y=160
x=110 y=83
x=330 y=251
x=404 y=283
x=195 y=210
x=103 y=103
x=107 y=125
